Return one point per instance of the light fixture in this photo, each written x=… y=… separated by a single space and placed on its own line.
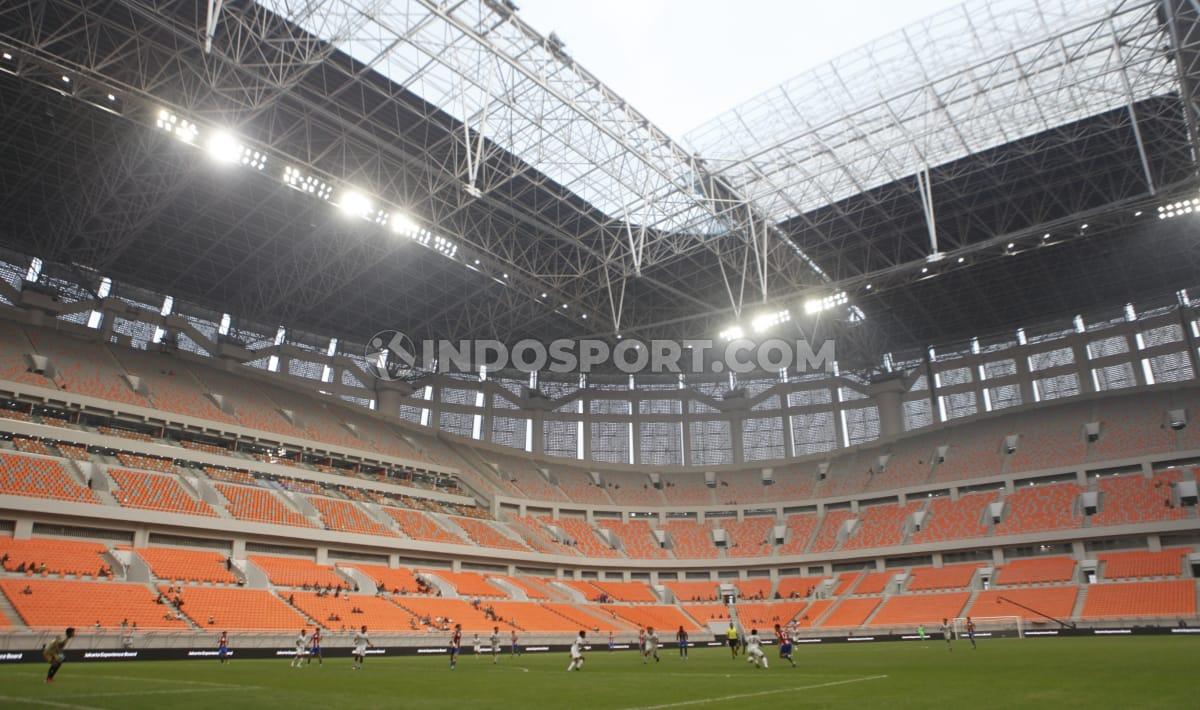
x=543 y=294
x=1137 y=214
x=306 y=183
x=1046 y=236
x=355 y=203
x=816 y=305
x=112 y=98
x=1176 y=209
x=766 y=321
x=8 y=56
x=1083 y=226
x=733 y=332
x=181 y=128
x=403 y=224
x=223 y=147
x=1011 y=245
x=924 y=269
x=66 y=79
x=584 y=316
x=868 y=287
x=961 y=259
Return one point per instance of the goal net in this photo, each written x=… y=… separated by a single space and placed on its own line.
x=991 y=626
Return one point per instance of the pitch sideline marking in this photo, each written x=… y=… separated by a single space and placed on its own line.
x=705 y=701
x=49 y=703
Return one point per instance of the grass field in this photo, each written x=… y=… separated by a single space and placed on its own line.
x=1141 y=672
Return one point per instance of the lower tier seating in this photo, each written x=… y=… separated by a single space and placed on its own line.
x=591 y=618
x=77 y=557
x=392 y=579
x=1175 y=599
x=470 y=584
x=1056 y=602
x=1036 y=570
x=296 y=572
x=753 y=588
x=56 y=604
x=949 y=577
x=231 y=609
x=260 y=506
x=40 y=478
x=187 y=565
x=627 y=591
x=662 y=618
x=693 y=591
x=1140 y=563
x=910 y=609
x=796 y=587
x=350 y=611
x=851 y=612
x=450 y=611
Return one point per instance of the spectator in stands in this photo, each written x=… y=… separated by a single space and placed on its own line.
x=28 y=590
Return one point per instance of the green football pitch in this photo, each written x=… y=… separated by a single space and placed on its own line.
x=1141 y=672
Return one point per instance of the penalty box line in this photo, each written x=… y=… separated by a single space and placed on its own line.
x=741 y=696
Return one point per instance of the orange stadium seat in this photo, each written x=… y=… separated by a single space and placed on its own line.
x=1051 y=439
x=537 y=536
x=40 y=478
x=686 y=489
x=296 y=572
x=909 y=465
x=172 y=387
x=637 y=539
x=691 y=540
x=239 y=609
x=769 y=613
x=154 y=491
x=350 y=611
x=749 y=537
x=592 y=618
x=470 y=584
x=85 y=368
x=172 y=564
x=797 y=587
x=454 y=611
x=972 y=453
x=880 y=526
x=906 y=610
x=585 y=538
x=251 y=404
x=345 y=516
x=1133 y=498
x=693 y=591
x=14 y=345
x=851 y=613
x=627 y=591
x=1175 y=599
x=484 y=534
x=589 y=591
x=147 y=463
x=740 y=487
x=73 y=451
x=533 y=485
x=1036 y=570
x=961 y=519
x=53 y=604
x=532 y=617
x=948 y=577
x=663 y=618
x=419 y=526
x=534 y=587
x=31 y=446
x=827 y=534
x=229 y=475
x=399 y=579
x=77 y=557
x=808 y=617
x=1132 y=427
x=753 y=588
x=792 y=484
x=705 y=613
x=578 y=487
x=1041 y=508
x=626 y=488
x=1057 y=602
x=259 y=505
x=1130 y=565
x=875 y=582
x=800 y=533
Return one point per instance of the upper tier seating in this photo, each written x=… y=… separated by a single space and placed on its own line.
x=1036 y=570
x=251 y=405
x=173 y=564
x=296 y=572
x=1133 y=498
x=827 y=535
x=637 y=539
x=470 y=584
x=419 y=526
x=154 y=491
x=84 y=367
x=846 y=476
x=239 y=609
x=586 y=541
x=534 y=587
x=391 y=579
x=318 y=421
x=1057 y=602
x=973 y=452
x=907 y=610
x=76 y=557
x=797 y=587
x=1132 y=426
x=1139 y=563
x=484 y=534
x=73 y=451
x=881 y=526
x=539 y=538
x=663 y=618
x=949 y=577
x=125 y=433
x=231 y=475
x=961 y=519
x=800 y=532
x=13 y=366
x=1040 y=508
x=347 y=517
x=875 y=582
x=753 y=588
x=749 y=537
x=172 y=387
x=741 y=487
x=693 y=591
x=792 y=484
x=533 y=484
x=454 y=611
x=590 y=591
x=1050 y=439
x=626 y=591
x=40 y=478
x=147 y=463
x=259 y=505
x=578 y=486
x=350 y=611
x=851 y=612
x=31 y=446
x=686 y=489
x=691 y=540
x=54 y=604
x=628 y=488
x=909 y=465
x=1174 y=599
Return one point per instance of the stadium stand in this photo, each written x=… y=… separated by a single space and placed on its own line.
x=470 y=584
x=962 y=519
x=40 y=478
x=585 y=538
x=626 y=488
x=693 y=591
x=538 y=537
x=912 y=609
x=53 y=604
x=533 y=587
x=1057 y=602
x=172 y=564
x=31 y=446
x=812 y=613
x=792 y=483
x=591 y=618
x=73 y=451
x=637 y=539
x=14 y=367
x=873 y=582
x=663 y=618
x=483 y=533
x=429 y=610
x=748 y=537
x=350 y=611
x=1133 y=498
x=753 y=588
x=296 y=572
x=851 y=613
x=1174 y=600
x=259 y=505
x=1131 y=426
x=1051 y=438
x=626 y=591
x=84 y=367
x=797 y=587
x=972 y=453
x=239 y=609
x=827 y=534
x=1135 y=564
x=1035 y=570
x=948 y=577
x=251 y=405
x=910 y=464
x=740 y=487
x=691 y=540
x=686 y=489
x=1040 y=508
x=172 y=388
x=590 y=591
x=881 y=526
x=766 y=614
x=75 y=557
x=578 y=486
x=347 y=517
x=800 y=533
x=392 y=579
x=147 y=463
x=705 y=613
x=154 y=491
x=419 y=526
x=230 y=475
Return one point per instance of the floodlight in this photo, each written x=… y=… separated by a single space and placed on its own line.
x=353 y=202
x=733 y=332
x=403 y=224
x=223 y=147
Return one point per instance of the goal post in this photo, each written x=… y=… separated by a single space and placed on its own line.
x=991 y=625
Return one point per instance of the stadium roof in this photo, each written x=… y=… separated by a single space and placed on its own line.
x=563 y=211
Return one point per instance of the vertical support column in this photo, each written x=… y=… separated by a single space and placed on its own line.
x=888 y=394
x=1024 y=374
x=537 y=422
x=735 y=436
x=1083 y=365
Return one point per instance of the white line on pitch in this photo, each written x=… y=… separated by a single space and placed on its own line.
x=740 y=696
x=48 y=703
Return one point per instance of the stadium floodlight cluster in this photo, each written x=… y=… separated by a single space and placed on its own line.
x=181 y=128
x=766 y=321
x=306 y=183
x=1182 y=207
x=816 y=305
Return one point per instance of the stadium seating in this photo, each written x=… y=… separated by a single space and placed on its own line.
x=1040 y=508
x=741 y=487
x=1050 y=439
x=693 y=591
x=1035 y=570
x=753 y=588
x=764 y=615
x=588 y=544
x=1131 y=565
x=147 y=463
x=949 y=577
x=748 y=537
x=85 y=368
x=77 y=557
x=484 y=534
x=690 y=540
x=637 y=539
x=154 y=491
x=844 y=581
x=590 y=591
x=125 y=433
x=662 y=618
x=874 y=582
x=534 y=587
x=973 y=452
x=705 y=613
x=1132 y=426
x=172 y=388
x=31 y=446
x=910 y=464
x=40 y=478
x=296 y=572
x=259 y=505
x=251 y=405
x=73 y=451
x=1057 y=602
x=538 y=537
x=808 y=618
x=173 y=564
x=911 y=609
x=792 y=483
x=350 y=611
x=961 y=519
x=235 y=609
x=1133 y=498
x=626 y=591
x=686 y=489
x=451 y=611
x=419 y=526
x=800 y=533
x=1173 y=599
x=881 y=526
x=54 y=604
x=827 y=534
x=589 y=618
x=14 y=344
x=634 y=489
x=230 y=475
x=345 y=516
x=391 y=579
x=578 y=487
x=470 y=584
x=850 y=613
x=533 y=484
x=533 y=618
x=796 y=587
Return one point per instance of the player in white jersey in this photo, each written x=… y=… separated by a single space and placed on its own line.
x=947 y=634
x=495 y=639
x=577 y=652
x=754 y=652
x=361 y=642
x=651 y=647
x=301 y=649
x=476 y=644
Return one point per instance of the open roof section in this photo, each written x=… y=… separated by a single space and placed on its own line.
x=960 y=82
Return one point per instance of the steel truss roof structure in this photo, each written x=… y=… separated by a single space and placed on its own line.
x=573 y=213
